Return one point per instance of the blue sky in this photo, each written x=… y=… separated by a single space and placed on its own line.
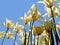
x=13 y=9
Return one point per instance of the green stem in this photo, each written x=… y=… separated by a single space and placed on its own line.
x=34 y=39
x=38 y=40
x=4 y=37
x=28 y=39
x=25 y=34
x=52 y=43
x=31 y=24
x=47 y=42
x=52 y=37
x=15 y=38
x=54 y=28
x=55 y=32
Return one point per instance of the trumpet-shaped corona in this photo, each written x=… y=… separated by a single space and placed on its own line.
x=48 y=26
x=37 y=30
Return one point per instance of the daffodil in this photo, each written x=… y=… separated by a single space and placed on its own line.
x=48 y=25
x=47 y=3
x=9 y=24
x=34 y=13
x=37 y=30
x=48 y=7
x=2 y=33
x=9 y=35
x=26 y=19
x=18 y=27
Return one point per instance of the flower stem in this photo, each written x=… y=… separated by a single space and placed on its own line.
x=46 y=42
x=15 y=38
x=31 y=24
x=54 y=28
x=55 y=32
x=4 y=37
x=25 y=34
x=28 y=39
x=52 y=43
x=34 y=39
x=37 y=40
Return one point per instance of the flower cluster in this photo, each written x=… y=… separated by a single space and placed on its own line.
x=41 y=34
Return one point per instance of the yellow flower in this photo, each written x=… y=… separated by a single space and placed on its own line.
x=26 y=19
x=9 y=35
x=58 y=28
x=18 y=27
x=37 y=30
x=34 y=13
x=48 y=6
x=9 y=24
x=2 y=34
x=48 y=25
x=47 y=3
